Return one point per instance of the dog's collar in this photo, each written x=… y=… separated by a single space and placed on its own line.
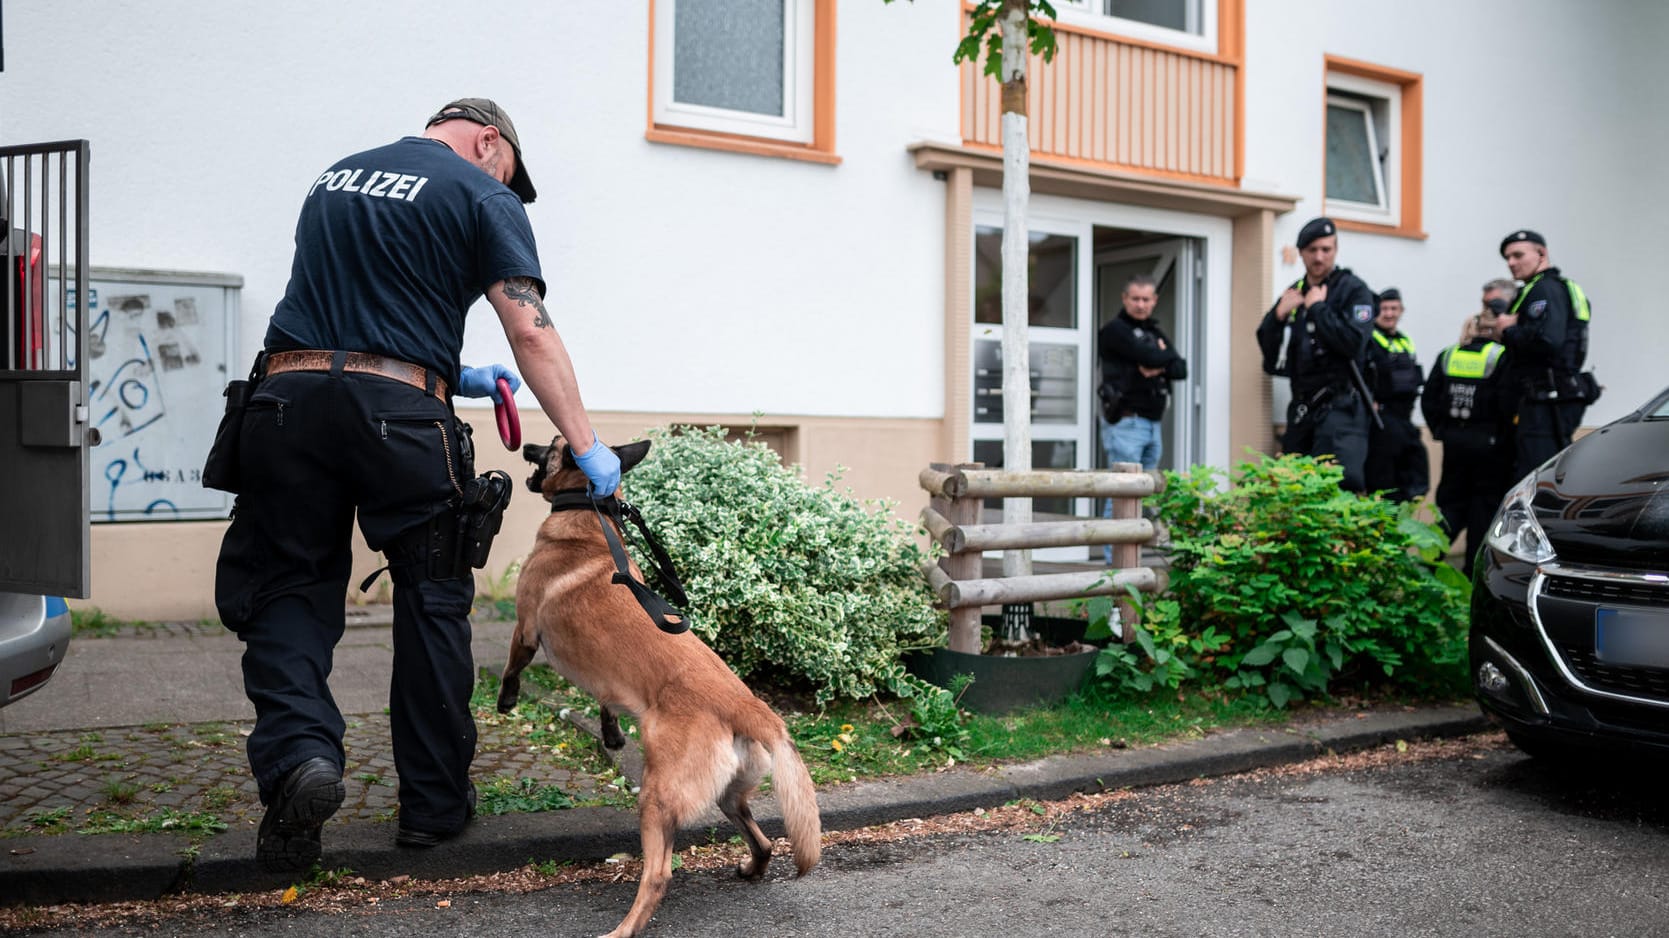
x=580 y=499
x=667 y=617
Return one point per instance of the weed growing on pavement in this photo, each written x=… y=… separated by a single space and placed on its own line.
x=51 y=820
x=119 y=792
x=548 y=867
x=371 y=778
x=213 y=734
x=505 y=795
x=94 y=623
x=165 y=820
x=219 y=797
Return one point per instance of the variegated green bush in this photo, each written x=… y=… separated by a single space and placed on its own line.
x=792 y=584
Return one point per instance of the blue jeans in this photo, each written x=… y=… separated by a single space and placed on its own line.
x=1132 y=439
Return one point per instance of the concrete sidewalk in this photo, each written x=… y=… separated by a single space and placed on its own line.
x=151 y=721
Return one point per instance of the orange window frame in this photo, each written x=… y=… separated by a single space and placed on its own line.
x=1409 y=194
x=821 y=149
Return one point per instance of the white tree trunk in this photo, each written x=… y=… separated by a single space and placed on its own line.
x=1017 y=383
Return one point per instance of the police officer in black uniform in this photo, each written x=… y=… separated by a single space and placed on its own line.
x=1329 y=311
x=352 y=417
x=1466 y=407
x=1397 y=462
x=1545 y=332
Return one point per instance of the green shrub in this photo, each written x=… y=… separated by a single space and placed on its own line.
x=790 y=583
x=1286 y=584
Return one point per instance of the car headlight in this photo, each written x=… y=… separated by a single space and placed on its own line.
x=1514 y=531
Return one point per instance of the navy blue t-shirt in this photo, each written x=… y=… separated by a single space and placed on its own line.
x=393 y=247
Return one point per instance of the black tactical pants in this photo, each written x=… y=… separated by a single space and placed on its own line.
x=1543 y=429
x=1341 y=432
x=1477 y=471
x=316 y=448
x=1397 y=461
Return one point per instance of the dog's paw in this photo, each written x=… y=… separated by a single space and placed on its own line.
x=507 y=699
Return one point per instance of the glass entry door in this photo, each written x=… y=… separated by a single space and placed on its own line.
x=1173 y=265
x=1061 y=357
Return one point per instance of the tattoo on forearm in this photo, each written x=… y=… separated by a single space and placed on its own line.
x=521 y=290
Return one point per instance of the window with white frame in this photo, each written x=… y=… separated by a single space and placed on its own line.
x=1363 y=149
x=1189 y=24
x=736 y=66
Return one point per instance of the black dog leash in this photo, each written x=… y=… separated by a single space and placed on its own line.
x=667 y=617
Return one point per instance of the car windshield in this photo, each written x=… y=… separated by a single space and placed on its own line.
x=1660 y=412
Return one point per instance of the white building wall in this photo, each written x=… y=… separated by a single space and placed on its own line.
x=695 y=281
x=1538 y=113
x=683 y=280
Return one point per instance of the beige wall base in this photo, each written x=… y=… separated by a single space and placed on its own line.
x=164 y=571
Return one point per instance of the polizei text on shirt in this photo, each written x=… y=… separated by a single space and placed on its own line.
x=377 y=185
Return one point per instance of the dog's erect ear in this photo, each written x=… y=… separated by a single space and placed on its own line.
x=631 y=454
x=537 y=455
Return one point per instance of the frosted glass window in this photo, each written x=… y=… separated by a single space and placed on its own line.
x=1354 y=170
x=737 y=66
x=729 y=54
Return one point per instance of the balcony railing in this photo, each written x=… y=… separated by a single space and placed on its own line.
x=1122 y=104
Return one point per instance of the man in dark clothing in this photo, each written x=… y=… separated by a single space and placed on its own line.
x=1329 y=311
x=353 y=415
x=1138 y=364
x=1465 y=405
x=1397 y=462
x=1545 y=332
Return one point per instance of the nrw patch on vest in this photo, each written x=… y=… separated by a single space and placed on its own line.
x=1536 y=309
x=1364 y=313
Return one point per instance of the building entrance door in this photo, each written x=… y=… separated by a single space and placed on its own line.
x=1175 y=266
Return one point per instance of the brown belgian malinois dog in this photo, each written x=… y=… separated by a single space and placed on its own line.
x=706 y=738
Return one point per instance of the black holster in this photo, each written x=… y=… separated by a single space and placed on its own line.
x=222 y=469
x=458 y=539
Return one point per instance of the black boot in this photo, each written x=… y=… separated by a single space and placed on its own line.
x=421 y=839
x=288 y=840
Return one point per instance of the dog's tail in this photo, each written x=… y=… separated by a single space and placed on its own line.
x=798 y=799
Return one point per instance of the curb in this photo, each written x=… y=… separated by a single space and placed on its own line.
x=41 y=870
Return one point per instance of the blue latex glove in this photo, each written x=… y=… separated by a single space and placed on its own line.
x=483 y=382
x=601 y=467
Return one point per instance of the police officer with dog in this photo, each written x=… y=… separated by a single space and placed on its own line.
x=348 y=413
x=1545 y=332
x=1467 y=408
x=1323 y=321
x=1397 y=463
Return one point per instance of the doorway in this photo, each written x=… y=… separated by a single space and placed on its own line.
x=1177 y=267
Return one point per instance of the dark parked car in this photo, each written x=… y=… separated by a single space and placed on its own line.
x=1570 y=602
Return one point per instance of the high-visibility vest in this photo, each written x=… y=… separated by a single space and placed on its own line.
x=1470 y=392
x=1476 y=365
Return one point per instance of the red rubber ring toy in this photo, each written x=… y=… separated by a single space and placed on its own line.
x=509 y=420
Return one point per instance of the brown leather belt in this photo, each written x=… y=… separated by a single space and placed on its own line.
x=360 y=362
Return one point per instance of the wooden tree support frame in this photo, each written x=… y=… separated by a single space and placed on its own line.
x=952 y=520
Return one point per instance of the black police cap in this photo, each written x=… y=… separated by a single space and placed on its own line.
x=1522 y=234
x=1313 y=229
x=1390 y=293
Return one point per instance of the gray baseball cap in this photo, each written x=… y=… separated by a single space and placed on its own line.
x=485 y=112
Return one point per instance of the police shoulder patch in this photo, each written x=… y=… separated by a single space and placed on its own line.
x=1536 y=309
x=1364 y=312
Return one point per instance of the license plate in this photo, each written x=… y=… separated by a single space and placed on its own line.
x=1634 y=637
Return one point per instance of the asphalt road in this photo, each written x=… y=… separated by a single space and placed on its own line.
x=1478 y=842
